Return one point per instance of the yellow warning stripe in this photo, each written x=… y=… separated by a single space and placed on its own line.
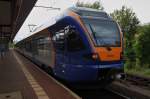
x=39 y=91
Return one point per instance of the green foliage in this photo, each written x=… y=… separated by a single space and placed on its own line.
x=142 y=46
x=128 y=21
x=95 y=5
x=139 y=71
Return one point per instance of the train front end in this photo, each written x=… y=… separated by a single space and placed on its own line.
x=104 y=62
x=107 y=47
x=94 y=48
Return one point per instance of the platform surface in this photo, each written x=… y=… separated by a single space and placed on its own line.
x=21 y=79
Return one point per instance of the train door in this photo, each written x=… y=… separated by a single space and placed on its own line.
x=75 y=50
x=75 y=47
x=59 y=44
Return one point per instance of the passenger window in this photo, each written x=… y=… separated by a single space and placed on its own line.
x=59 y=40
x=74 y=41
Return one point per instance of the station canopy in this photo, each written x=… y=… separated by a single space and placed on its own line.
x=12 y=15
x=25 y=17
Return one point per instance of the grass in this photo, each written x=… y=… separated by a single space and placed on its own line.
x=140 y=71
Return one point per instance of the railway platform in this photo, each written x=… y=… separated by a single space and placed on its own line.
x=21 y=79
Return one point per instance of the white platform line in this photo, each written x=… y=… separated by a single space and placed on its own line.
x=39 y=91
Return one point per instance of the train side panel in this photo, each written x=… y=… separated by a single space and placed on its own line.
x=39 y=48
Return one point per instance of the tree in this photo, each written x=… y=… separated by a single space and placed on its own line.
x=95 y=5
x=128 y=21
x=142 y=46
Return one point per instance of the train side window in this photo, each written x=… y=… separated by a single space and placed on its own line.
x=35 y=46
x=74 y=40
x=59 y=40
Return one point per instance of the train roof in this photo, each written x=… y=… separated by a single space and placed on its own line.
x=83 y=11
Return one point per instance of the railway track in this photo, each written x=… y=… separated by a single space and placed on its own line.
x=137 y=80
x=100 y=94
x=109 y=93
x=119 y=94
x=133 y=86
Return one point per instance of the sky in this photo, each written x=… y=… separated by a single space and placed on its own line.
x=40 y=18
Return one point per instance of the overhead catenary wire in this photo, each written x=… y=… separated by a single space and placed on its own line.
x=47 y=7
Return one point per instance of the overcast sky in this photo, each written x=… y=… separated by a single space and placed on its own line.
x=44 y=17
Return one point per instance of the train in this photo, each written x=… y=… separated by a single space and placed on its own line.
x=84 y=45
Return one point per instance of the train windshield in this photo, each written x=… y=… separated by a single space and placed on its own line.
x=104 y=32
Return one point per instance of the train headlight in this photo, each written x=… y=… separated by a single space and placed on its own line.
x=95 y=56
